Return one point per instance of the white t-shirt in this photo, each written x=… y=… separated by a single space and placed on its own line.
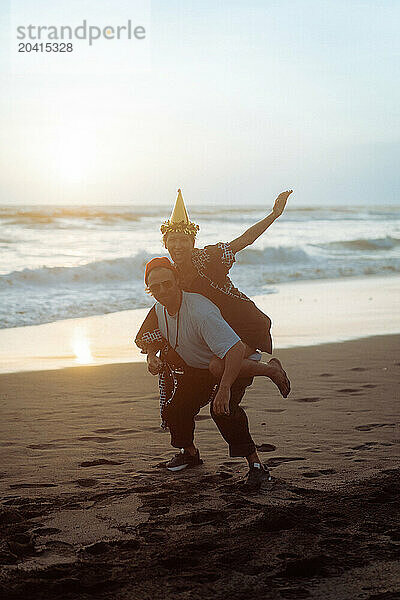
x=202 y=330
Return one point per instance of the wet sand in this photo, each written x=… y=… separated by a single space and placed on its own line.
x=303 y=313
x=88 y=509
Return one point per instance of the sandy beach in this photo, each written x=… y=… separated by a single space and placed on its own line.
x=88 y=509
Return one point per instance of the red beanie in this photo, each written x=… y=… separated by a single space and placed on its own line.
x=156 y=263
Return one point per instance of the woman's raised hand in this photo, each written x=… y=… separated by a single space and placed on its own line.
x=280 y=203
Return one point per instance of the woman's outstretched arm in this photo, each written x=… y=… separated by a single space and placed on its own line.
x=254 y=232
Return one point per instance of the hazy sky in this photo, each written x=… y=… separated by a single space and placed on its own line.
x=235 y=101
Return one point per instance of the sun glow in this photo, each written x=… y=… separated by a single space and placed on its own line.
x=81 y=348
x=73 y=156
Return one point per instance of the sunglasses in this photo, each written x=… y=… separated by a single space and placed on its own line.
x=156 y=287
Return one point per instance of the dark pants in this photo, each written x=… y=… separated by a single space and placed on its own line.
x=193 y=392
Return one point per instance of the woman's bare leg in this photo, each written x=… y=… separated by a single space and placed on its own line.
x=253 y=368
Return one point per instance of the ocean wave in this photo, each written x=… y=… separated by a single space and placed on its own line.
x=42 y=215
x=50 y=215
x=35 y=296
x=293 y=259
x=307 y=243
x=273 y=255
x=328 y=271
x=101 y=272
x=386 y=243
x=45 y=306
x=318 y=254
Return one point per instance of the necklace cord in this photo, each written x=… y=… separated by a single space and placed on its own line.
x=177 y=327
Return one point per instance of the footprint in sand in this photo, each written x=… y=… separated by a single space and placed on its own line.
x=211 y=479
x=20 y=544
x=349 y=390
x=309 y=399
x=278 y=460
x=145 y=528
x=370 y=426
x=266 y=448
x=59 y=548
x=274 y=410
x=155 y=538
x=16 y=486
x=86 y=482
x=98 y=439
x=142 y=488
x=154 y=511
x=366 y=446
x=326 y=374
x=126 y=431
x=108 y=430
x=103 y=547
x=126 y=401
x=208 y=517
x=156 y=504
x=369 y=385
x=99 y=461
x=313 y=474
x=46 y=531
x=275 y=518
x=358 y=369
x=41 y=446
x=157 y=496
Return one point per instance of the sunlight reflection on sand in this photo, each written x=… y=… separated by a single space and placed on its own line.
x=81 y=347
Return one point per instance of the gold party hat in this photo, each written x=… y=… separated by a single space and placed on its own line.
x=179 y=220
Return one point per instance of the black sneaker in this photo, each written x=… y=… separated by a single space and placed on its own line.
x=184 y=459
x=257 y=477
